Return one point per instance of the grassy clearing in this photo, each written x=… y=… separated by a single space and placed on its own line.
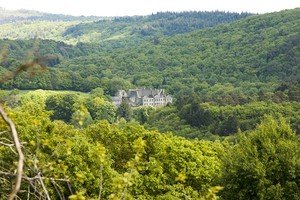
x=14 y=98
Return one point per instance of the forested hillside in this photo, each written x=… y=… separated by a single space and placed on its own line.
x=231 y=133
x=109 y=32
x=244 y=58
x=123 y=160
x=26 y=24
x=128 y=31
x=10 y=16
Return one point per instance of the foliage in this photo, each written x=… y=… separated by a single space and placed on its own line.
x=106 y=160
x=234 y=63
x=125 y=110
x=81 y=117
x=264 y=164
x=200 y=120
x=101 y=109
x=8 y=16
x=138 y=29
x=25 y=24
x=62 y=106
x=124 y=160
x=225 y=79
x=141 y=114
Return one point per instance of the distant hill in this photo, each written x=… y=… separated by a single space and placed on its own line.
x=242 y=59
x=27 y=24
x=121 y=31
x=151 y=26
x=254 y=54
x=9 y=16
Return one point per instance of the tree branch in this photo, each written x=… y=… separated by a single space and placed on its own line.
x=10 y=146
x=5 y=144
x=35 y=177
x=43 y=186
x=17 y=143
x=58 y=188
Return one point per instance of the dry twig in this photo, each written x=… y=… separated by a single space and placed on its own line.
x=17 y=143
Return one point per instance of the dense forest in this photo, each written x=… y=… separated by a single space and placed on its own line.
x=249 y=56
x=231 y=133
x=121 y=31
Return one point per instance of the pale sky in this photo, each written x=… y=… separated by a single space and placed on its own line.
x=145 y=7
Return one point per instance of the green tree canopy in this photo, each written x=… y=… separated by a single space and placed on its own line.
x=264 y=164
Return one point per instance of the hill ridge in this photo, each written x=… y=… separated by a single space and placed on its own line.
x=246 y=57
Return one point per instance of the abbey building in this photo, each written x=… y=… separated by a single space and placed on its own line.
x=143 y=97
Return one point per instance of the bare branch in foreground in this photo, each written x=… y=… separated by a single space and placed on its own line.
x=35 y=177
x=6 y=144
x=17 y=143
x=40 y=180
x=43 y=186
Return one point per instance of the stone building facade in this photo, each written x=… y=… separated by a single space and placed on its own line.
x=143 y=97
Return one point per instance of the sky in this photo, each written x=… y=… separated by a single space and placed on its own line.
x=146 y=7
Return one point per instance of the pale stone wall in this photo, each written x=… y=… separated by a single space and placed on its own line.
x=142 y=97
